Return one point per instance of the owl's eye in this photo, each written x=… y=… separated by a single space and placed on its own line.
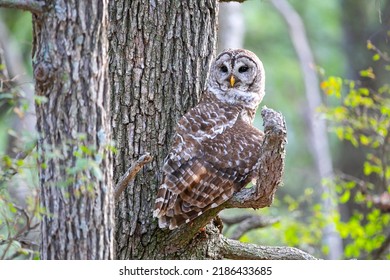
x=224 y=69
x=243 y=69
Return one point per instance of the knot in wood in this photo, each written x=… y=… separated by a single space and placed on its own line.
x=42 y=72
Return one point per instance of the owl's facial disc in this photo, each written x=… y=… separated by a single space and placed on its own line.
x=237 y=76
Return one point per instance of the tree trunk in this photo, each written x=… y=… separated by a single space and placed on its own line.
x=231 y=30
x=160 y=56
x=75 y=168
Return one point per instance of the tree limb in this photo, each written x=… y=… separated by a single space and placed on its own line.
x=239 y=1
x=270 y=165
x=252 y=222
x=35 y=7
x=382 y=249
x=229 y=221
x=130 y=174
x=233 y=249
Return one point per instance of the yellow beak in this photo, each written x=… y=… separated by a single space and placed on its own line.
x=232 y=80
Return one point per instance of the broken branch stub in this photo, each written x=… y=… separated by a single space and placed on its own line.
x=270 y=164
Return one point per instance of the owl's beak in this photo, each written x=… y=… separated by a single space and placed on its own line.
x=232 y=80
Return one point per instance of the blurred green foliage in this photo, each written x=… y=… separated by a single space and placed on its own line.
x=348 y=105
x=362 y=117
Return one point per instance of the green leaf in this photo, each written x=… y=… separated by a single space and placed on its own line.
x=97 y=171
x=39 y=100
x=364 y=91
x=376 y=57
x=365 y=140
x=86 y=150
x=368 y=73
x=345 y=197
x=12 y=208
x=5 y=95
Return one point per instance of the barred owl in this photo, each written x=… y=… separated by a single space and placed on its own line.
x=216 y=147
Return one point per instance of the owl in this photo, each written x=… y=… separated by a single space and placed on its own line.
x=215 y=148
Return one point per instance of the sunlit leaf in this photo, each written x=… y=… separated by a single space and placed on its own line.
x=370 y=46
x=345 y=197
x=364 y=140
x=368 y=73
x=376 y=57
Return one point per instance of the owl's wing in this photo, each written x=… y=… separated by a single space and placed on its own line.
x=213 y=155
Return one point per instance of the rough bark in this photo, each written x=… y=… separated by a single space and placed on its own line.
x=26 y=5
x=160 y=55
x=233 y=249
x=75 y=170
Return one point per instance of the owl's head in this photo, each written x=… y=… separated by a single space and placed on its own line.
x=237 y=76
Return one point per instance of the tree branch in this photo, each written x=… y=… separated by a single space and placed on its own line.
x=252 y=222
x=35 y=7
x=130 y=174
x=229 y=221
x=381 y=250
x=270 y=165
x=233 y=249
x=239 y=1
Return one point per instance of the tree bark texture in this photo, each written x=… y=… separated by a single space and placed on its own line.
x=160 y=53
x=70 y=62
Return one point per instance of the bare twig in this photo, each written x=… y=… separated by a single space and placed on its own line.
x=384 y=247
x=239 y=1
x=130 y=174
x=19 y=234
x=233 y=249
x=253 y=222
x=229 y=221
x=32 y=6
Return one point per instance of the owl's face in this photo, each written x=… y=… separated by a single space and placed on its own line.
x=237 y=76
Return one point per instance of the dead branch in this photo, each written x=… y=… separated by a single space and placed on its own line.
x=233 y=249
x=253 y=222
x=229 y=221
x=382 y=249
x=270 y=165
x=239 y=1
x=130 y=174
x=32 y=6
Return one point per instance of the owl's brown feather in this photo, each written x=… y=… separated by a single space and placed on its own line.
x=215 y=149
x=207 y=164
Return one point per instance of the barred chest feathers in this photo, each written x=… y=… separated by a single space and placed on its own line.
x=216 y=147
